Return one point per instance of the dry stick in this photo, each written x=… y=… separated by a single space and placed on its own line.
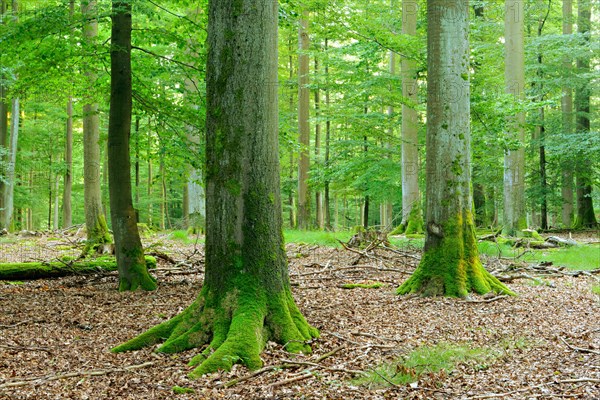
x=28 y=348
x=576 y=380
x=41 y=379
x=333 y=369
x=402 y=253
x=291 y=380
x=579 y=349
x=284 y=365
x=374 y=336
x=486 y=300
x=363 y=345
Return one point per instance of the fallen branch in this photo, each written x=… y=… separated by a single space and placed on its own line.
x=528 y=389
x=42 y=379
x=25 y=348
x=374 y=336
x=579 y=349
x=292 y=380
x=487 y=300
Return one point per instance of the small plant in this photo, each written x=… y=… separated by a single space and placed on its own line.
x=370 y=285
x=425 y=360
x=596 y=290
x=179 y=235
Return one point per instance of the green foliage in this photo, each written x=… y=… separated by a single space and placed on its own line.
x=426 y=360
x=373 y=285
x=321 y=238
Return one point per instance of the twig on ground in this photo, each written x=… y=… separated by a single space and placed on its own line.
x=375 y=337
x=25 y=348
x=249 y=376
x=528 y=389
x=42 y=379
x=292 y=380
x=487 y=300
x=579 y=349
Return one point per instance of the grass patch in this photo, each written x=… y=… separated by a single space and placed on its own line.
x=425 y=360
x=596 y=290
x=373 y=285
x=321 y=238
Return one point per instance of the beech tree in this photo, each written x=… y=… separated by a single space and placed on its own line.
x=450 y=264
x=412 y=218
x=303 y=124
x=95 y=221
x=131 y=263
x=246 y=299
x=514 y=156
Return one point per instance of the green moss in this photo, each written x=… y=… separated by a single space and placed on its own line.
x=40 y=270
x=414 y=224
x=531 y=233
x=399 y=230
x=374 y=285
x=182 y=390
x=235 y=326
x=452 y=267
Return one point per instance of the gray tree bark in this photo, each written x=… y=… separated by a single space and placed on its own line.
x=95 y=221
x=303 y=214
x=514 y=156
x=567 y=121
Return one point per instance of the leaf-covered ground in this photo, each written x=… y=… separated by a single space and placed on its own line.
x=55 y=335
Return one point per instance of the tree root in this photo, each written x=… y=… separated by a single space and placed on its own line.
x=234 y=328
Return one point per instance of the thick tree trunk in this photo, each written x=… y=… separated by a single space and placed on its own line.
x=9 y=188
x=303 y=214
x=133 y=272
x=450 y=265
x=585 y=209
x=246 y=298
x=95 y=221
x=412 y=218
x=514 y=157
x=567 y=122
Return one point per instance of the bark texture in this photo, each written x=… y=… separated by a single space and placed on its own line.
x=95 y=221
x=514 y=156
x=450 y=265
x=585 y=217
x=133 y=272
x=412 y=217
x=246 y=298
x=303 y=125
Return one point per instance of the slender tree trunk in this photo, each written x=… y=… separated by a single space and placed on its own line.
x=4 y=132
x=95 y=221
x=585 y=208
x=303 y=213
x=137 y=168
x=68 y=178
x=514 y=157
x=318 y=194
x=412 y=219
x=567 y=121
x=450 y=264
x=246 y=298
x=150 y=177
x=55 y=219
x=327 y=200
x=8 y=202
x=128 y=246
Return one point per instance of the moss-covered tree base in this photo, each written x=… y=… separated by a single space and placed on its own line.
x=138 y=277
x=233 y=327
x=450 y=265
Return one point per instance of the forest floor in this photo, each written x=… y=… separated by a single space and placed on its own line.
x=55 y=335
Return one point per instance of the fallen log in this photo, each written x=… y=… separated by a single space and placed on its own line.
x=54 y=269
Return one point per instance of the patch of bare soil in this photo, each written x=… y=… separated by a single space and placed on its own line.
x=55 y=335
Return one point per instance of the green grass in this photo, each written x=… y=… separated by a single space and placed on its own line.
x=374 y=285
x=426 y=360
x=320 y=238
x=583 y=257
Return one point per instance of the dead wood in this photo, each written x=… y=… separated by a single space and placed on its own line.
x=47 y=378
x=579 y=349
